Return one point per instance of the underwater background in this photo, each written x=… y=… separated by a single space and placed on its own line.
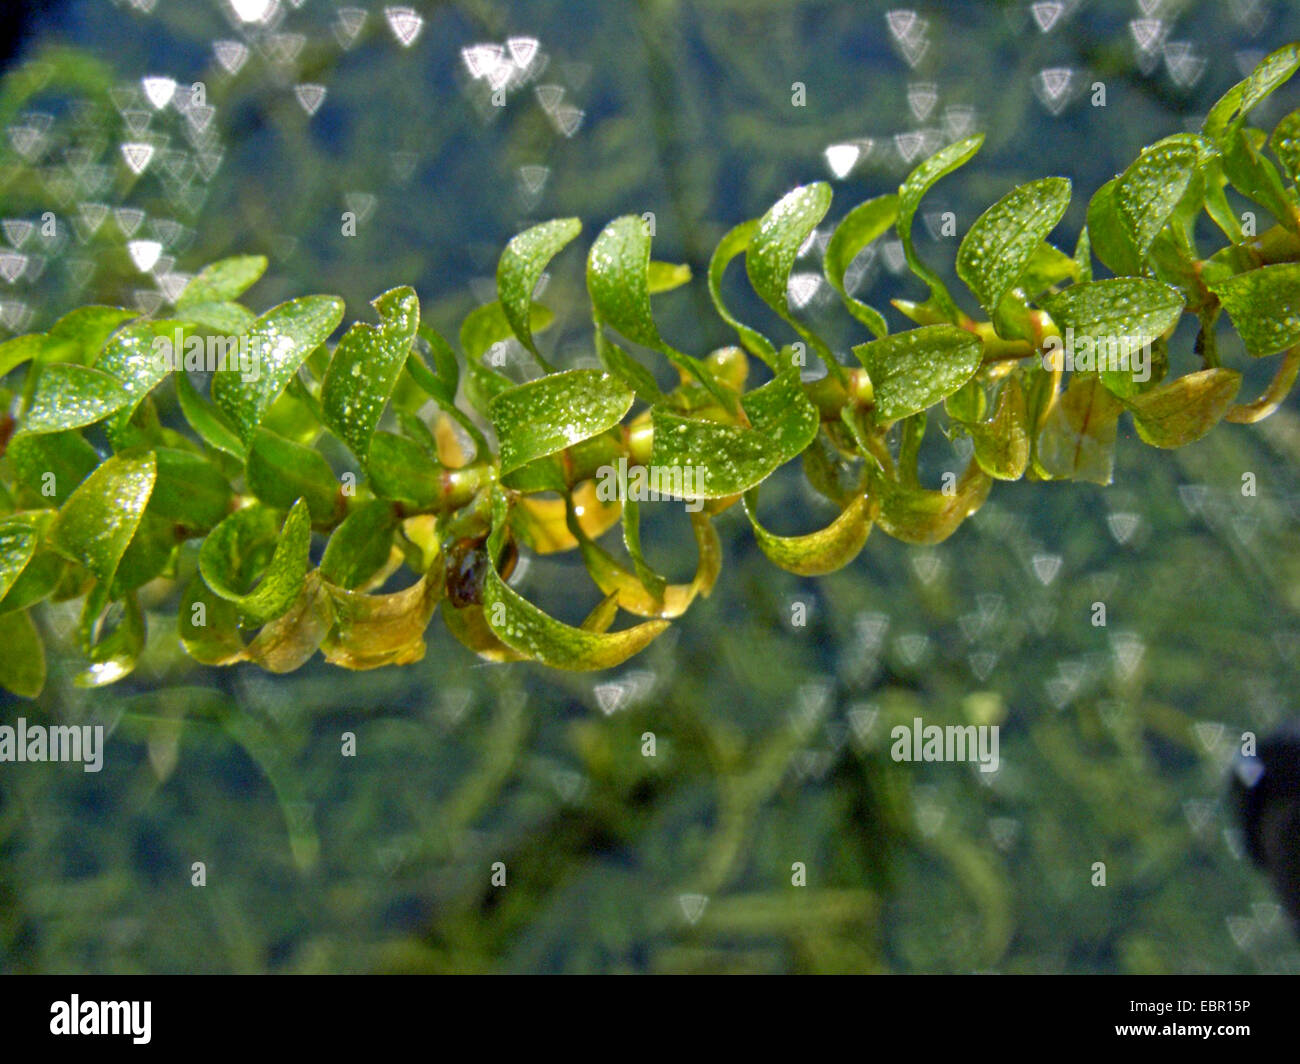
x=772 y=736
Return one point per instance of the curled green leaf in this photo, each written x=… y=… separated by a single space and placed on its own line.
x=68 y=396
x=22 y=655
x=525 y=628
x=521 y=266
x=222 y=281
x=917 y=515
x=1002 y=443
x=775 y=245
x=371 y=631
x=360 y=546
x=278 y=343
x=1078 y=436
x=910 y=193
x=230 y=556
x=208 y=626
x=664 y=600
x=547 y=415
x=1003 y=240
x=618 y=268
x=821 y=552
x=911 y=371
x=364 y=369
x=1264 y=306
x=727 y=459
x=732 y=244
x=862 y=225
x=97 y=522
x=1185 y=409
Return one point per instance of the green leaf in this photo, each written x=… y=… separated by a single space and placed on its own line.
x=112 y=635
x=913 y=370
x=1002 y=443
x=1109 y=233
x=1285 y=143
x=486 y=326
x=1254 y=176
x=140 y=356
x=730 y=459
x=856 y=231
x=400 y=470
x=371 y=631
x=18 y=542
x=1004 y=239
x=1083 y=256
x=52 y=464
x=22 y=656
x=360 y=546
x=1048 y=266
x=1111 y=324
x=816 y=553
x=1149 y=190
x=666 y=276
x=626 y=368
x=1273 y=71
x=916 y=515
x=523 y=627
x=658 y=599
x=364 y=369
x=288 y=642
x=225 y=280
x=1078 y=437
x=79 y=334
x=97 y=522
x=441 y=383
x=521 y=266
x=470 y=628
x=146 y=556
x=732 y=244
x=189 y=490
x=14 y=352
x=968 y=403
x=910 y=193
x=208 y=626
x=279 y=342
x=650 y=580
x=280 y=472
x=445 y=363
x=231 y=550
x=1263 y=304
x=1185 y=409
x=206 y=420
x=227 y=319
x=68 y=396
x=42 y=576
x=549 y=414
x=775 y=245
x=600 y=618
x=618 y=284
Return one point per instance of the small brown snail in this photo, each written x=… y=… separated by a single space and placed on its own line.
x=467 y=562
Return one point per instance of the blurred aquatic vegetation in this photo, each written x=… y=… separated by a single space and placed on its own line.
x=777 y=754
